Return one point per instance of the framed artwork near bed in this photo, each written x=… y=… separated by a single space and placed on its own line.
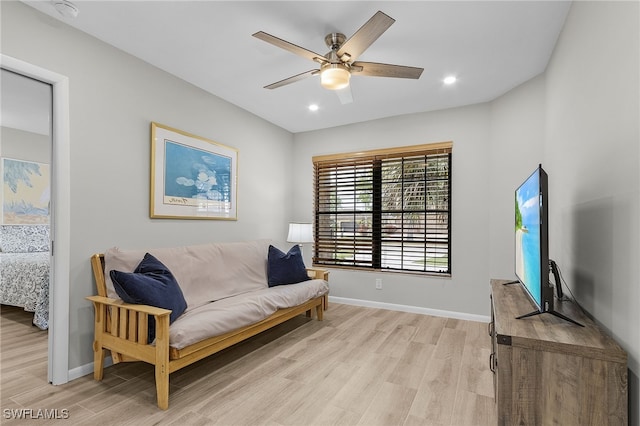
x=191 y=177
x=26 y=192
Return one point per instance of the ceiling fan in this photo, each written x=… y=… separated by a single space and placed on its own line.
x=337 y=66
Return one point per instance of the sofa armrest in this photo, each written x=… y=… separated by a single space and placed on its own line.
x=123 y=327
x=318 y=274
x=150 y=310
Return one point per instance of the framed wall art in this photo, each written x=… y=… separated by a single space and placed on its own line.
x=26 y=192
x=191 y=177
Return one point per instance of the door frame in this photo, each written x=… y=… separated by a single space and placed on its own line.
x=58 y=347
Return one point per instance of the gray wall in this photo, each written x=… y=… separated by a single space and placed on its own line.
x=113 y=99
x=467 y=289
x=517 y=133
x=23 y=145
x=592 y=146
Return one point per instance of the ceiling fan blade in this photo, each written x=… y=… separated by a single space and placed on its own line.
x=283 y=44
x=365 y=36
x=292 y=79
x=373 y=69
x=345 y=95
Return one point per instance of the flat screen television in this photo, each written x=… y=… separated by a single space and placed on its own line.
x=532 y=239
x=532 y=264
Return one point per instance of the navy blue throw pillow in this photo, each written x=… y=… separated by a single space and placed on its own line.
x=285 y=268
x=150 y=284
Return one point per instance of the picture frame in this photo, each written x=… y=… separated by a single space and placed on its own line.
x=26 y=192
x=192 y=177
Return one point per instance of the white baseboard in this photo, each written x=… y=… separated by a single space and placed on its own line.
x=410 y=309
x=86 y=369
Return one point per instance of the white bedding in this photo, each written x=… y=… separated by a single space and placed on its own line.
x=24 y=282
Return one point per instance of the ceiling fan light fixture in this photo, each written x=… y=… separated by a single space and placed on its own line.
x=335 y=76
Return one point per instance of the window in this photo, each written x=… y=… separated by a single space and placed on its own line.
x=385 y=209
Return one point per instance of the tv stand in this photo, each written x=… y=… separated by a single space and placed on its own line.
x=558 y=314
x=546 y=372
x=555 y=270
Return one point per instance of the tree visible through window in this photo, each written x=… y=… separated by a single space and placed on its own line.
x=385 y=209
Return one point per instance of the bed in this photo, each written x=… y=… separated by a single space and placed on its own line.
x=24 y=270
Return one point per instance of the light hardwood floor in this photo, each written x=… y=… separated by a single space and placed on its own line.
x=360 y=366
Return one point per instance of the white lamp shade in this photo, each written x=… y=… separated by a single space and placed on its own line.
x=300 y=233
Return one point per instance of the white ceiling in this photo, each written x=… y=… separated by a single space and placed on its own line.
x=490 y=46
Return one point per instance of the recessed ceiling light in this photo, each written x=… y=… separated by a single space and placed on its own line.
x=66 y=8
x=313 y=107
x=450 y=79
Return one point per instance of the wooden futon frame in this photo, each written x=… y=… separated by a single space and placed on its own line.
x=122 y=328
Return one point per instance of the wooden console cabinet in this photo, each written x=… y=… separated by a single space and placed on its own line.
x=548 y=371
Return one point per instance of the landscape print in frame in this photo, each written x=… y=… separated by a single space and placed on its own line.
x=26 y=192
x=191 y=177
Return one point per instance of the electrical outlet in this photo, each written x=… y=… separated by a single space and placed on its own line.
x=378 y=283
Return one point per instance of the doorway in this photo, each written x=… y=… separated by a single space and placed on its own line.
x=60 y=228
x=25 y=161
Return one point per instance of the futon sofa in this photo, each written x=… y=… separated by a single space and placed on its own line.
x=174 y=306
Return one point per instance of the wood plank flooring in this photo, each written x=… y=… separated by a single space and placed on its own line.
x=360 y=366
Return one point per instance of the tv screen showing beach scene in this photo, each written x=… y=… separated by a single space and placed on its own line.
x=527 y=236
